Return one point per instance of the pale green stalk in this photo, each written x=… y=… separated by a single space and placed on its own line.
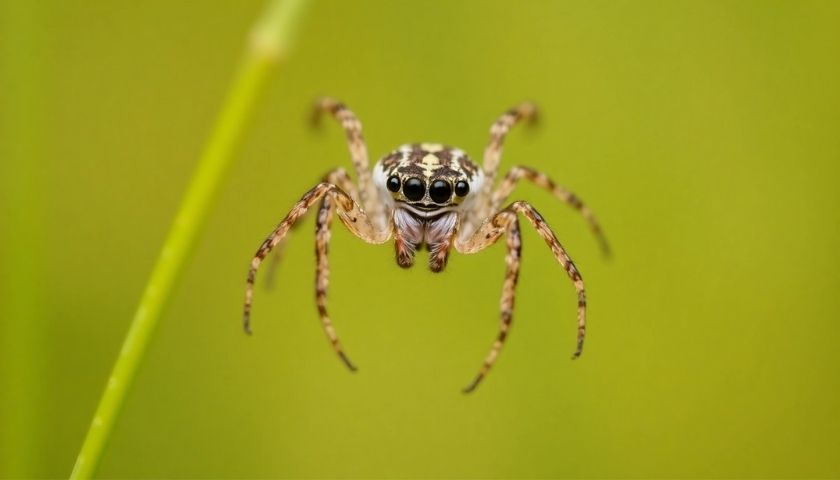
x=269 y=43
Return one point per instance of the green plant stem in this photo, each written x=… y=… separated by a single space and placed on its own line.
x=270 y=41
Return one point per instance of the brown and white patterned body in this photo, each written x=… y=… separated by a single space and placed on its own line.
x=430 y=196
x=425 y=188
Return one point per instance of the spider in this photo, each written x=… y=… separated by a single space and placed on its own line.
x=433 y=196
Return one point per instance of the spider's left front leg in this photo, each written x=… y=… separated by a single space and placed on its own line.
x=490 y=232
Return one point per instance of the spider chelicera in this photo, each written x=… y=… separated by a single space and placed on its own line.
x=433 y=196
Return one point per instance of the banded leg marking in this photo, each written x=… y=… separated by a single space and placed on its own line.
x=488 y=234
x=512 y=262
x=322 y=276
x=565 y=261
x=543 y=181
x=367 y=195
x=337 y=176
x=349 y=212
x=493 y=152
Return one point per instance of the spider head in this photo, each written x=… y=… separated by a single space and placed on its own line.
x=427 y=179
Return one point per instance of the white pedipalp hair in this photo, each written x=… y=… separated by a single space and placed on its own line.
x=438 y=230
x=411 y=228
x=417 y=231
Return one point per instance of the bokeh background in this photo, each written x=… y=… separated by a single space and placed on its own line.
x=705 y=135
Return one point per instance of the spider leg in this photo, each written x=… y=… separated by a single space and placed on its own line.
x=322 y=275
x=541 y=180
x=349 y=212
x=367 y=194
x=488 y=234
x=493 y=152
x=274 y=262
x=336 y=176
x=504 y=221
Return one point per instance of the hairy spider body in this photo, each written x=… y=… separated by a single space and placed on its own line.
x=433 y=196
x=443 y=177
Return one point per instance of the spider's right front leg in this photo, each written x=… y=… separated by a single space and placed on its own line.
x=277 y=237
x=322 y=275
x=334 y=199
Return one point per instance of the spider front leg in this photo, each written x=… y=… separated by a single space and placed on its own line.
x=541 y=180
x=351 y=215
x=488 y=234
x=367 y=194
x=502 y=222
x=322 y=276
x=337 y=176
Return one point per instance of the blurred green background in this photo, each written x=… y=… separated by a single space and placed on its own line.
x=705 y=136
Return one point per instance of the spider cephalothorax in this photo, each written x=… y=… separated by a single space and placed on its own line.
x=426 y=186
x=427 y=176
x=428 y=195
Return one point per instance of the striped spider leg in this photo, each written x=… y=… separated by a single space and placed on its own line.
x=525 y=111
x=334 y=200
x=367 y=195
x=370 y=227
x=492 y=201
x=490 y=232
x=495 y=224
x=543 y=181
x=336 y=176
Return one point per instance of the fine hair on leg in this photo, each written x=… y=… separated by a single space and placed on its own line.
x=489 y=232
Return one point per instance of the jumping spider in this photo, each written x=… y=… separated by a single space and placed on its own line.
x=434 y=196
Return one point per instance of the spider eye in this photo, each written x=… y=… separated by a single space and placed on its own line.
x=462 y=188
x=414 y=189
x=440 y=191
x=393 y=183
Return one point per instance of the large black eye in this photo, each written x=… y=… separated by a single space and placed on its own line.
x=462 y=188
x=440 y=191
x=414 y=189
x=393 y=183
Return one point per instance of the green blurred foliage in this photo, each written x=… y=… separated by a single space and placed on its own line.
x=703 y=134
